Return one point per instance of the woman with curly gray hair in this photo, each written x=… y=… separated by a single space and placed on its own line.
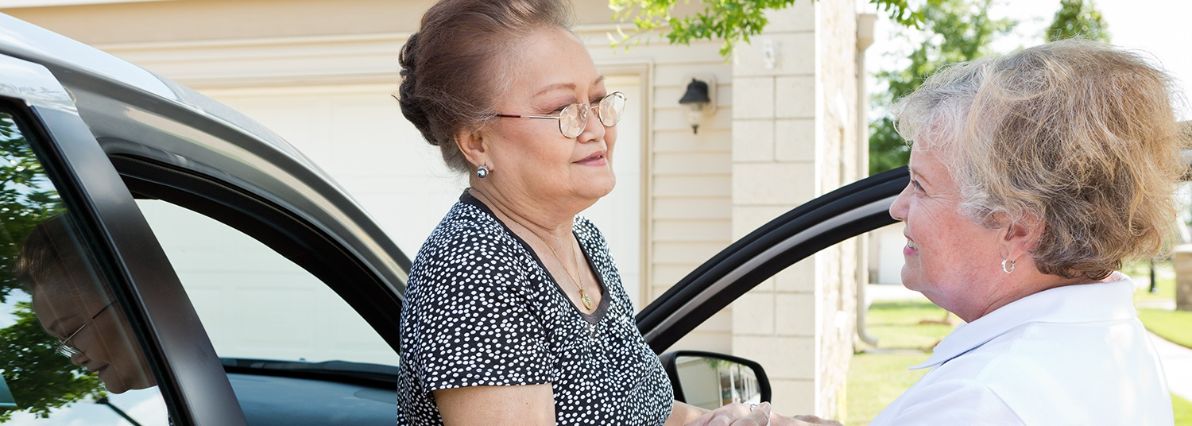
x=1033 y=176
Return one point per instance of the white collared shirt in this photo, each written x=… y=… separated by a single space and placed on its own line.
x=1072 y=355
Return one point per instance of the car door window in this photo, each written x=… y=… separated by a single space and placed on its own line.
x=776 y=323
x=68 y=354
x=255 y=303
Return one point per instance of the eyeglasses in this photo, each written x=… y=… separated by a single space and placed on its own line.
x=574 y=118
x=64 y=347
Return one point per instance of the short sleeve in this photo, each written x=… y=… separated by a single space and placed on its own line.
x=474 y=323
x=951 y=402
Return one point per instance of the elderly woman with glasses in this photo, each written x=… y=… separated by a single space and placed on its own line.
x=515 y=312
x=73 y=307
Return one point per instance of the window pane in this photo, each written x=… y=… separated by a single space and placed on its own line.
x=255 y=303
x=67 y=352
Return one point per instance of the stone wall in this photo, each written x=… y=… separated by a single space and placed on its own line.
x=796 y=136
x=840 y=160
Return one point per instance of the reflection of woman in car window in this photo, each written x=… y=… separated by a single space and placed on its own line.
x=515 y=312
x=73 y=306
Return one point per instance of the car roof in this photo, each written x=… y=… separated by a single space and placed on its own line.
x=135 y=113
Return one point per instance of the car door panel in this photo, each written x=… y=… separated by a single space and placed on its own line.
x=189 y=375
x=179 y=147
x=195 y=135
x=277 y=227
x=841 y=214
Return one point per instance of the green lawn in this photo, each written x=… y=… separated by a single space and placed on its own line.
x=1183 y=410
x=906 y=331
x=907 y=325
x=1175 y=326
x=1164 y=281
x=875 y=380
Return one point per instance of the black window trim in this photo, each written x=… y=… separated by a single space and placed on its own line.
x=283 y=231
x=165 y=325
x=820 y=223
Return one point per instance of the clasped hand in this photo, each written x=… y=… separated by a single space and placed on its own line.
x=739 y=414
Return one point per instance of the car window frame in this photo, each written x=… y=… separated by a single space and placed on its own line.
x=844 y=213
x=189 y=376
x=278 y=228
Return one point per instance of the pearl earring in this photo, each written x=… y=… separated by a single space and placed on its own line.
x=482 y=171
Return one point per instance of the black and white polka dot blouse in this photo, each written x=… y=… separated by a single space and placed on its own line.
x=482 y=310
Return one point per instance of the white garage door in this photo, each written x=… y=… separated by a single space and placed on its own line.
x=256 y=304
x=358 y=135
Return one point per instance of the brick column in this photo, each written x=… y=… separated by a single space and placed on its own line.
x=794 y=137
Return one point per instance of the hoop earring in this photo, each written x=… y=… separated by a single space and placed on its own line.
x=1007 y=266
x=482 y=171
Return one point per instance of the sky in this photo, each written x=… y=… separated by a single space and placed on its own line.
x=1161 y=29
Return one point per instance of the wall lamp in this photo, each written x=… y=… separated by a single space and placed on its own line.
x=699 y=100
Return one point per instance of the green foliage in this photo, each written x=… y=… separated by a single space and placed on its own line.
x=26 y=198
x=1079 y=19
x=39 y=377
x=727 y=20
x=955 y=31
x=959 y=31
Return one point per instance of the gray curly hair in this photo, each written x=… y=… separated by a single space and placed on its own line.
x=1078 y=135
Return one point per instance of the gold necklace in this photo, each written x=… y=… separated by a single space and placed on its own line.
x=584 y=299
x=583 y=295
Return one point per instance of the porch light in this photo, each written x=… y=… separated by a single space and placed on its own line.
x=696 y=99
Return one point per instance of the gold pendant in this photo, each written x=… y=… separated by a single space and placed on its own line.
x=587 y=301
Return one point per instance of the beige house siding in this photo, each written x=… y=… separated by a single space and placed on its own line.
x=774 y=170
x=170 y=21
x=688 y=177
x=795 y=136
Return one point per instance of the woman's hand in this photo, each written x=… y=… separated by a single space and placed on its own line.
x=736 y=415
x=801 y=420
x=756 y=415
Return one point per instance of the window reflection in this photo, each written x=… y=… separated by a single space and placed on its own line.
x=72 y=308
x=49 y=292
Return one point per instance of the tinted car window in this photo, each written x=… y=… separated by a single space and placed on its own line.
x=255 y=303
x=67 y=352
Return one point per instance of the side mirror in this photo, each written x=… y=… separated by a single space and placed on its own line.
x=710 y=380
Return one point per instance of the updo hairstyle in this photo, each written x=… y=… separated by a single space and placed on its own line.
x=461 y=59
